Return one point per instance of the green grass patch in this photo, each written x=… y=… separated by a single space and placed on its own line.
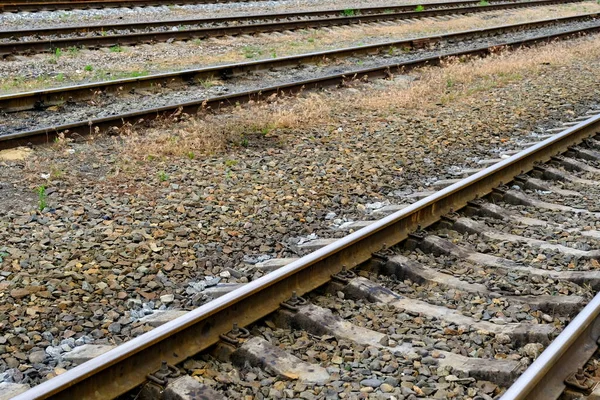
x=251 y=51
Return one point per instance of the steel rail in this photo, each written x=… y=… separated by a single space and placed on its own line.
x=401 y=11
x=33 y=46
x=44 y=135
x=46 y=97
x=126 y=366
x=544 y=379
x=16 y=6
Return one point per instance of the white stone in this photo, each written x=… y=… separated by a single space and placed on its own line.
x=84 y=353
x=167 y=298
x=10 y=390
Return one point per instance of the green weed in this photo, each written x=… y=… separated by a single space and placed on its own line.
x=251 y=51
x=231 y=163
x=42 y=197
x=206 y=83
x=266 y=130
x=136 y=74
x=163 y=176
x=349 y=12
x=116 y=49
x=54 y=57
x=419 y=8
x=88 y=68
x=483 y=3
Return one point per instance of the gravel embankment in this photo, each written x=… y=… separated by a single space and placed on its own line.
x=133 y=224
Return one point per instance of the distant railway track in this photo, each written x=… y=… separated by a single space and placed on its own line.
x=475 y=208
x=43 y=98
x=93 y=36
x=32 y=6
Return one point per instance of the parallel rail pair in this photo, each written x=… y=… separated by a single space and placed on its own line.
x=127 y=366
x=92 y=36
x=33 y=6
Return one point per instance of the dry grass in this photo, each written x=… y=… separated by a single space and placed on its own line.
x=210 y=133
x=459 y=80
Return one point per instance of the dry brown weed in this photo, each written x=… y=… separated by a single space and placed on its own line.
x=213 y=132
x=460 y=78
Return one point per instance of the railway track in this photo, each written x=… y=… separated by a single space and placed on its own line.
x=429 y=51
x=530 y=221
x=33 y=6
x=90 y=36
